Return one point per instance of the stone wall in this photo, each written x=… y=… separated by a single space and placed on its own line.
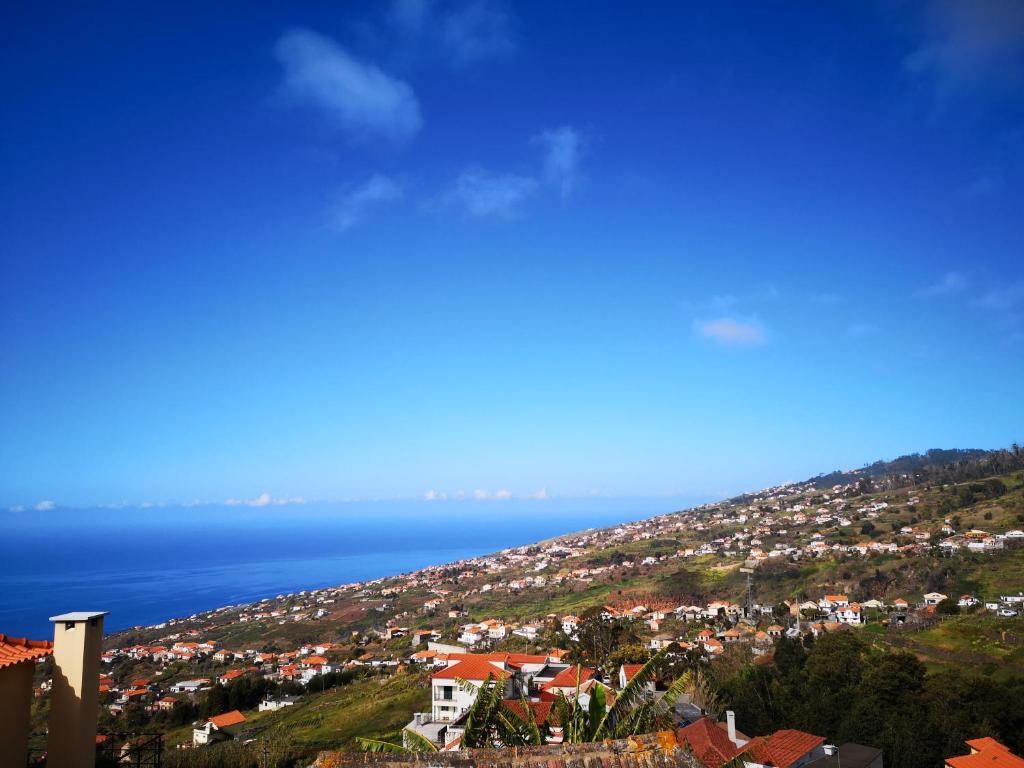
x=653 y=750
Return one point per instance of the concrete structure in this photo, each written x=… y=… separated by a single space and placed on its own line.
x=18 y=657
x=74 y=700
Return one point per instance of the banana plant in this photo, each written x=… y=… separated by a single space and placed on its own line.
x=491 y=722
x=414 y=742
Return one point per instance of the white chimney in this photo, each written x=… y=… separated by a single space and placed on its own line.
x=730 y=718
x=830 y=749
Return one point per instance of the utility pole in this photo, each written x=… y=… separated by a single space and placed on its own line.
x=750 y=591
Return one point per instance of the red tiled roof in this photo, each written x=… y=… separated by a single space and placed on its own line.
x=526 y=658
x=542 y=711
x=234 y=717
x=471 y=669
x=990 y=754
x=783 y=748
x=631 y=669
x=15 y=650
x=567 y=678
x=985 y=742
x=709 y=743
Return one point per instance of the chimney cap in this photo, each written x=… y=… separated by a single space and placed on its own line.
x=79 y=616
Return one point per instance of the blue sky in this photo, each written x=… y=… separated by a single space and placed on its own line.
x=471 y=249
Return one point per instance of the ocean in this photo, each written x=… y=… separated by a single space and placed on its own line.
x=148 y=565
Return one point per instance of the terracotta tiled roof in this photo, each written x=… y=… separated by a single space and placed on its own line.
x=990 y=754
x=542 y=711
x=567 y=678
x=15 y=650
x=631 y=669
x=984 y=742
x=471 y=669
x=234 y=717
x=783 y=748
x=709 y=743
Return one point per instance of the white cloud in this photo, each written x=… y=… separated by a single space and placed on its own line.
x=360 y=97
x=260 y=501
x=950 y=283
x=539 y=495
x=377 y=190
x=502 y=495
x=730 y=331
x=45 y=506
x=16 y=508
x=966 y=41
x=483 y=194
x=433 y=495
x=563 y=151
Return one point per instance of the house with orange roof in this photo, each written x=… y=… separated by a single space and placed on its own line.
x=231 y=674
x=223 y=727
x=787 y=748
x=986 y=752
x=566 y=682
x=450 y=698
x=18 y=657
x=851 y=615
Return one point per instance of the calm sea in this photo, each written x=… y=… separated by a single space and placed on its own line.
x=148 y=565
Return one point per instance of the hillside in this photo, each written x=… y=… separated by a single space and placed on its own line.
x=882 y=536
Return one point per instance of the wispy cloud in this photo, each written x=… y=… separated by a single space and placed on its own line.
x=354 y=205
x=265 y=500
x=45 y=506
x=433 y=495
x=1003 y=299
x=563 y=151
x=967 y=41
x=539 y=495
x=731 y=331
x=981 y=186
x=476 y=31
x=363 y=100
x=464 y=32
x=949 y=284
x=483 y=194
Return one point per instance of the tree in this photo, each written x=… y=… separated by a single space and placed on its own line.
x=834 y=668
x=890 y=711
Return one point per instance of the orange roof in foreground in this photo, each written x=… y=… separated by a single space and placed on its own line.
x=709 y=743
x=783 y=748
x=471 y=669
x=15 y=650
x=990 y=754
x=234 y=717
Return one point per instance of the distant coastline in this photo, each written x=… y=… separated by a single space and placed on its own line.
x=150 y=566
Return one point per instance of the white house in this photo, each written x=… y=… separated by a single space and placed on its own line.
x=934 y=598
x=851 y=614
x=449 y=700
